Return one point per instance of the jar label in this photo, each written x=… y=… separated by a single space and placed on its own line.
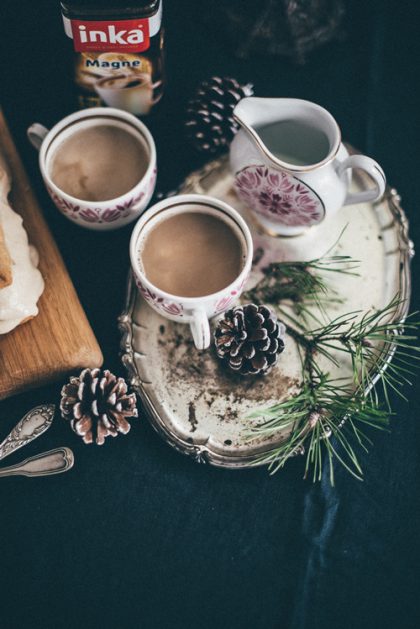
x=118 y=35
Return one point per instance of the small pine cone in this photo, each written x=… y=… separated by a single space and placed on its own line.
x=97 y=405
x=209 y=123
x=249 y=339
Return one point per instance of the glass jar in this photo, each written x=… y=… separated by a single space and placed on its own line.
x=118 y=52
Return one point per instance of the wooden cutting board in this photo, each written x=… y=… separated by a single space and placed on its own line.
x=59 y=340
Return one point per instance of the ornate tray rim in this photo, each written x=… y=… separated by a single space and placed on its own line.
x=202 y=453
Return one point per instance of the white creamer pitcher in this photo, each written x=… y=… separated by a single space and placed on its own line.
x=290 y=166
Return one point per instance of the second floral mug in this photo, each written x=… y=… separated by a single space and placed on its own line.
x=98 y=215
x=196 y=311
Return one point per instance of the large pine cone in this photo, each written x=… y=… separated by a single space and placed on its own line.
x=97 y=405
x=210 y=124
x=249 y=339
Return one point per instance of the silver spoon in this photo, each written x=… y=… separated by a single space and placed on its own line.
x=44 y=464
x=31 y=426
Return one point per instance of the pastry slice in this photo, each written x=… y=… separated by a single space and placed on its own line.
x=21 y=283
x=5 y=262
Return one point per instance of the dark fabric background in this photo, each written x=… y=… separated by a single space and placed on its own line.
x=138 y=536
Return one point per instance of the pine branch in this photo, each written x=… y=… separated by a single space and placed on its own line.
x=323 y=414
x=328 y=418
x=301 y=283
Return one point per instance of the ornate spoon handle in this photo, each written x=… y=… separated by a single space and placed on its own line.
x=31 y=426
x=44 y=464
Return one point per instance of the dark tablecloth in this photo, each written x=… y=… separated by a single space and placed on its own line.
x=137 y=535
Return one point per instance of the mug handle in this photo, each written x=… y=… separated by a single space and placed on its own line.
x=154 y=86
x=200 y=329
x=373 y=169
x=36 y=134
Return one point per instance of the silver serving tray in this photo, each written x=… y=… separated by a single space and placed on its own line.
x=199 y=408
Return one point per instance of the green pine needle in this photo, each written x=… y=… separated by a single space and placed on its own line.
x=328 y=419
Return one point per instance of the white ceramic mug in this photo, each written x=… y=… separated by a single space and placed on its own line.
x=133 y=92
x=196 y=311
x=286 y=195
x=99 y=215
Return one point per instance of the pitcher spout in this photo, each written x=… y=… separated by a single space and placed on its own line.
x=253 y=113
x=289 y=133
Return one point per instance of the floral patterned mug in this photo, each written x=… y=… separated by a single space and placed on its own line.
x=98 y=215
x=196 y=311
x=290 y=166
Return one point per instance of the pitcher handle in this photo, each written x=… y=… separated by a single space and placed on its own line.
x=200 y=329
x=373 y=169
x=36 y=134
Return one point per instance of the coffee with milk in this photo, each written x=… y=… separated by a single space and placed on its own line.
x=192 y=254
x=99 y=162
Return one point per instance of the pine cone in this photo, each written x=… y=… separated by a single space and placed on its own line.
x=97 y=405
x=210 y=124
x=249 y=339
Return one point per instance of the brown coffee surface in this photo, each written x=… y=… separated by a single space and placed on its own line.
x=192 y=254
x=122 y=82
x=99 y=163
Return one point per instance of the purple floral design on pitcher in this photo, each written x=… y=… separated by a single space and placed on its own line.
x=159 y=303
x=279 y=196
